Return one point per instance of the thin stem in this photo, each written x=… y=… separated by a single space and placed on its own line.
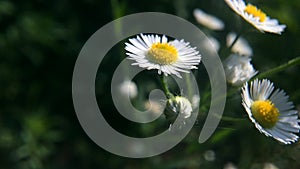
x=232 y=119
x=229 y=119
x=280 y=68
x=117 y=12
x=235 y=40
x=233 y=90
x=166 y=87
x=116 y=9
x=188 y=83
x=226 y=51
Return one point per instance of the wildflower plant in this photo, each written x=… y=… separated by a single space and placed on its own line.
x=253 y=104
x=256 y=43
x=168 y=58
x=269 y=109
x=253 y=100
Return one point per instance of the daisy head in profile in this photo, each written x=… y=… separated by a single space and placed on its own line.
x=168 y=57
x=208 y=20
x=270 y=111
x=256 y=17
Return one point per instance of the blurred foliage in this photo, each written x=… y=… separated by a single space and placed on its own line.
x=39 y=43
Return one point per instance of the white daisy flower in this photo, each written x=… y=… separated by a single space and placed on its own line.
x=238 y=69
x=241 y=46
x=270 y=111
x=180 y=105
x=128 y=88
x=155 y=52
x=256 y=17
x=208 y=20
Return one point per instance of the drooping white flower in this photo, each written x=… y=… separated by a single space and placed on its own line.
x=271 y=111
x=168 y=57
x=181 y=105
x=255 y=17
x=178 y=106
x=238 y=69
x=240 y=47
x=128 y=88
x=208 y=20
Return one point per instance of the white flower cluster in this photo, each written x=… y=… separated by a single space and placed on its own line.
x=269 y=109
x=238 y=69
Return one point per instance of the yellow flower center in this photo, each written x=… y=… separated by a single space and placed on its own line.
x=265 y=113
x=250 y=9
x=163 y=53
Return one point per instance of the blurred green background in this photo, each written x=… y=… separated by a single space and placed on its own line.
x=39 y=43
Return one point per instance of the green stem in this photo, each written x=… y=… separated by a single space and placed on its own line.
x=229 y=119
x=188 y=83
x=232 y=91
x=280 y=68
x=166 y=87
x=117 y=12
x=232 y=119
